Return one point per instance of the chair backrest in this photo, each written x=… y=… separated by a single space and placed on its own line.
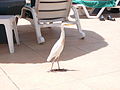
x=52 y=9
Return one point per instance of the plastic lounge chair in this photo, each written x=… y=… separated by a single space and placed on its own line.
x=47 y=13
x=9 y=12
x=95 y=4
x=9 y=21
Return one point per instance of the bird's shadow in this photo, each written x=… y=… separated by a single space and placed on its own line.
x=60 y=70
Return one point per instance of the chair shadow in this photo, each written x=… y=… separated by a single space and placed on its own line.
x=31 y=52
x=92 y=42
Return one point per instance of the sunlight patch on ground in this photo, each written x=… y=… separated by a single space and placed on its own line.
x=23 y=22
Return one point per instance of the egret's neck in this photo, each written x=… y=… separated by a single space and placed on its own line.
x=62 y=35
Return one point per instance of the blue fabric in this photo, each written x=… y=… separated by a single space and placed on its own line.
x=96 y=3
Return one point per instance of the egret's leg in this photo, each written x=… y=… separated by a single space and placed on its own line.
x=52 y=65
x=58 y=65
x=57 y=60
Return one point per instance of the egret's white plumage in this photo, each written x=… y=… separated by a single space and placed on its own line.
x=57 y=48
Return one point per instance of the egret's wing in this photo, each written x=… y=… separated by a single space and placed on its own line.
x=55 y=51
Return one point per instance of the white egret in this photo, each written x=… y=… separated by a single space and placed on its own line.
x=57 y=49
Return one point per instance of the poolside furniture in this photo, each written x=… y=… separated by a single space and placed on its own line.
x=47 y=13
x=9 y=21
x=95 y=4
x=9 y=7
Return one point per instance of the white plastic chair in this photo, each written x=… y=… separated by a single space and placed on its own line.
x=46 y=12
x=9 y=21
x=99 y=13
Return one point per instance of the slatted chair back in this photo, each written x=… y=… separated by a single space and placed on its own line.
x=52 y=9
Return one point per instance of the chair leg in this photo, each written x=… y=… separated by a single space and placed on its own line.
x=16 y=33
x=78 y=22
x=40 y=38
x=9 y=34
x=79 y=29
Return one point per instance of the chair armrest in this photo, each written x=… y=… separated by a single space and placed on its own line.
x=24 y=10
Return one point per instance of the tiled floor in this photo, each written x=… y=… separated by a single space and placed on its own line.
x=92 y=64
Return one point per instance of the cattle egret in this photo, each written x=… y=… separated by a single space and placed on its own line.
x=57 y=49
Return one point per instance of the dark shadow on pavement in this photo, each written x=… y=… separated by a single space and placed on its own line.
x=31 y=52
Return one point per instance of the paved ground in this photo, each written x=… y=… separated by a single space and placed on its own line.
x=92 y=64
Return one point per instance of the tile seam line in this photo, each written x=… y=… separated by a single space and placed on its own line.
x=100 y=75
x=10 y=78
x=82 y=49
x=32 y=49
x=81 y=83
x=82 y=80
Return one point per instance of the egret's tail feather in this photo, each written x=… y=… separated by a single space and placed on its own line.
x=49 y=59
